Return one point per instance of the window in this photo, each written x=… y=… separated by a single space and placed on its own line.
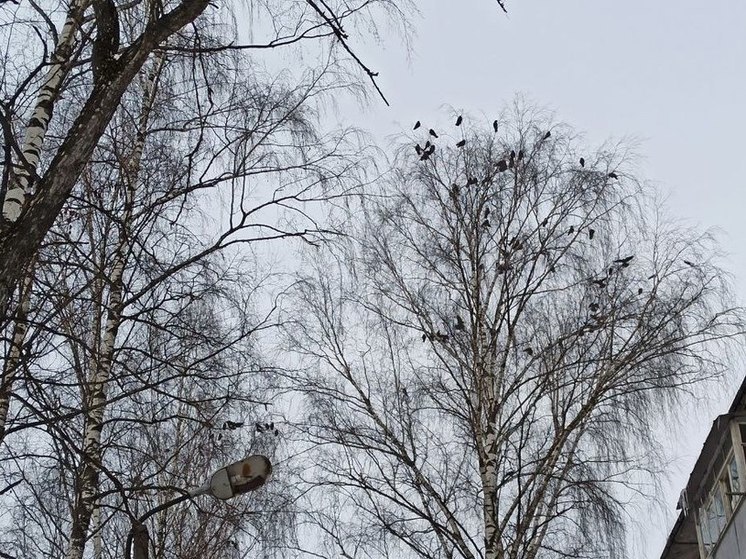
x=733 y=482
x=712 y=518
x=726 y=487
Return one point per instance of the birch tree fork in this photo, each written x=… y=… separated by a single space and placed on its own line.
x=107 y=48
x=22 y=237
x=485 y=356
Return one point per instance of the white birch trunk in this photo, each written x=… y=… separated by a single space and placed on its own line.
x=36 y=129
x=14 y=355
x=96 y=405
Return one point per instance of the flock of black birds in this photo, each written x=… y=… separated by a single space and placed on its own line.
x=259 y=427
x=502 y=165
x=267 y=427
x=510 y=162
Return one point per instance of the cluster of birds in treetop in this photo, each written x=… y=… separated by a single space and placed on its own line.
x=601 y=282
x=509 y=162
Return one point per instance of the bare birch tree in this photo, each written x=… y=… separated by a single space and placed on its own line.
x=69 y=75
x=153 y=231
x=483 y=359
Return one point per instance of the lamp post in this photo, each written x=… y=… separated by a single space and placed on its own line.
x=240 y=477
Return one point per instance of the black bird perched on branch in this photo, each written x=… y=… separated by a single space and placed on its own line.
x=529 y=351
x=461 y=144
x=639 y=291
x=688 y=263
x=494 y=126
x=486 y=223
x=418 y=149
x=502 y=166
x=459 y=120
x=571 y=230
x=455 y=190
x=624 y=261
x=232 y=425
x=520 y=154
x=545 y=222
x=613 y=175
x=591 y=232
x=599 y=282
x=417 y=125
x=433 y=133
x=582 y=162
x=459 y=323
x=471 y=180
x=546 y=136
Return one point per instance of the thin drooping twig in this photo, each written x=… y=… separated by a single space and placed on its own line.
x=342 y=36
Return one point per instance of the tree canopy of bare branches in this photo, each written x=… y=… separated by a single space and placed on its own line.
x=485 y=354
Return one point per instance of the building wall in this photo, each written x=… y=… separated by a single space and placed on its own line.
x=733 y=542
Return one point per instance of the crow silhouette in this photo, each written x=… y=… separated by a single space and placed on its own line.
x=639 y=291
x=433 y=133
x=486 y=223
x=418 y=149
x=613 y=175
x=471 y=180
x=546 y=136
x=459 y=120
x=624 y=261
x=461 y=144
x=591 y=232
x=529 y=351
x=545 y=222
x=455 y=190
x=582 y=162
x=688 y=263
x=417 y=125
x=494 y=126
x=571 y=230
x=520 y=154
x=502 y=166
x=459 y=323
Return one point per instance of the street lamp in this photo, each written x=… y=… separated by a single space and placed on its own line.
x=240 y=477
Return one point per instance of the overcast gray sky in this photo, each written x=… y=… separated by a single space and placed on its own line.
x=669 y=73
